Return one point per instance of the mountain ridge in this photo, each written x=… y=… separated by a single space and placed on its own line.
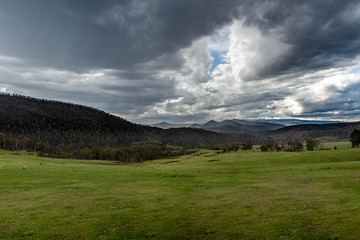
x=166 y=125
x=59 y=124
x=237 y=126
x=75 y=131
x=283 y=122
x=328 y=132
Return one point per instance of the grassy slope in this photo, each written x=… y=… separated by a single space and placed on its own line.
x=243 y=195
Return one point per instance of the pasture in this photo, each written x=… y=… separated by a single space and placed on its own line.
x=238 y=195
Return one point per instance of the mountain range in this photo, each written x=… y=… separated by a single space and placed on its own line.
x=243 y=126
x=237 y=126
x=60 y=124
x=76 y=131
x=165 y=125
x=324 y=132
x=289 y=122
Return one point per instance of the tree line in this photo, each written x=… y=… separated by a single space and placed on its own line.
x=68 y=130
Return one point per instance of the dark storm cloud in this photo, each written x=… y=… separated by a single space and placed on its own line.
x=105 y=34
x=128 y=56
x=170 y=118
x=111 y=90
x=247 y=101
x=321 y=32
x=120 y=33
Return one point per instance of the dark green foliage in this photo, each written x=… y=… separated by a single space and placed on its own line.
x=312 y=144
x=74 y=131
x=63 y=123
x=195 y=138
x=264 y=148
x=77 y=151
x=231 y=148
x=247 y=146
x=355 y=138
x=225 y=149
x=234 y=147
x=334 y=132
x=294 y=146
x=271 y=145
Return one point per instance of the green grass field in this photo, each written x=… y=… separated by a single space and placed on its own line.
x=242 y=195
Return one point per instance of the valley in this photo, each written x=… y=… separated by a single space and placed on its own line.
x=238 y=195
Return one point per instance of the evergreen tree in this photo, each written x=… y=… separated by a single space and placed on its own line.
x=355 y=138
x=312 y=144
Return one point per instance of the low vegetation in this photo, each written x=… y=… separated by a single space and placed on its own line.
x=73 y=131
x=67 y=130
x=355 y=138
x=243 y=193
x=235 y=195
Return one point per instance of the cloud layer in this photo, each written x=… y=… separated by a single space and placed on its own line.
x=150 y=60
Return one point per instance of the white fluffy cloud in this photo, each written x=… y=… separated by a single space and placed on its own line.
x=233 y=90
x=254 y=53
x=151 y=61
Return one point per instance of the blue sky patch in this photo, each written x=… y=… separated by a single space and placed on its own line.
x=355 y=70
x=218 y=59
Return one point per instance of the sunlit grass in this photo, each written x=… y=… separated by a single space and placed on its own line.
x=242 y=195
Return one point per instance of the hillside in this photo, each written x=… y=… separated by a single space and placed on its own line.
x=290 y=122
x=237 y=126
x=280 y=122
x=47 y=120
x=74 y=131
x=165 y=125
x=71 y=130
x=203 y=196
x=328 y=132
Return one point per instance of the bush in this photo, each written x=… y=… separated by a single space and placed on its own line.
x=264 y=148
x=247 y=146
x=312 y=144
x=295 y=146
x=271 y=145
x=355 y=138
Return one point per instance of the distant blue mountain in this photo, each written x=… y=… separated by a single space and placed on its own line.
x=290 y=122
x=165 y=125
x=238 y=126
x=301 y=132
x=243 y=126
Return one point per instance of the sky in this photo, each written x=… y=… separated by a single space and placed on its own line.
x=186 y=61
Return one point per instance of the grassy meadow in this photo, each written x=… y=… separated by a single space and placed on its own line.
x=239 y=195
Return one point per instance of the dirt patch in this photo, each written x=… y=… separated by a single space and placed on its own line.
x=213 y=160
x=178 y=175
x=112 y=163
x=170 y=162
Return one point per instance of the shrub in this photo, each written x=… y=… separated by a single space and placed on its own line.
x=264 y=148
x=247 y=146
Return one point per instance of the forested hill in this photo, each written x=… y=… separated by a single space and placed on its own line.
x=43 y=119
x=327 y=132
x=55 y=127
x=19 y=114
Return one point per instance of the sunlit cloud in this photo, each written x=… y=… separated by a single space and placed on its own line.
x=181 y=61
